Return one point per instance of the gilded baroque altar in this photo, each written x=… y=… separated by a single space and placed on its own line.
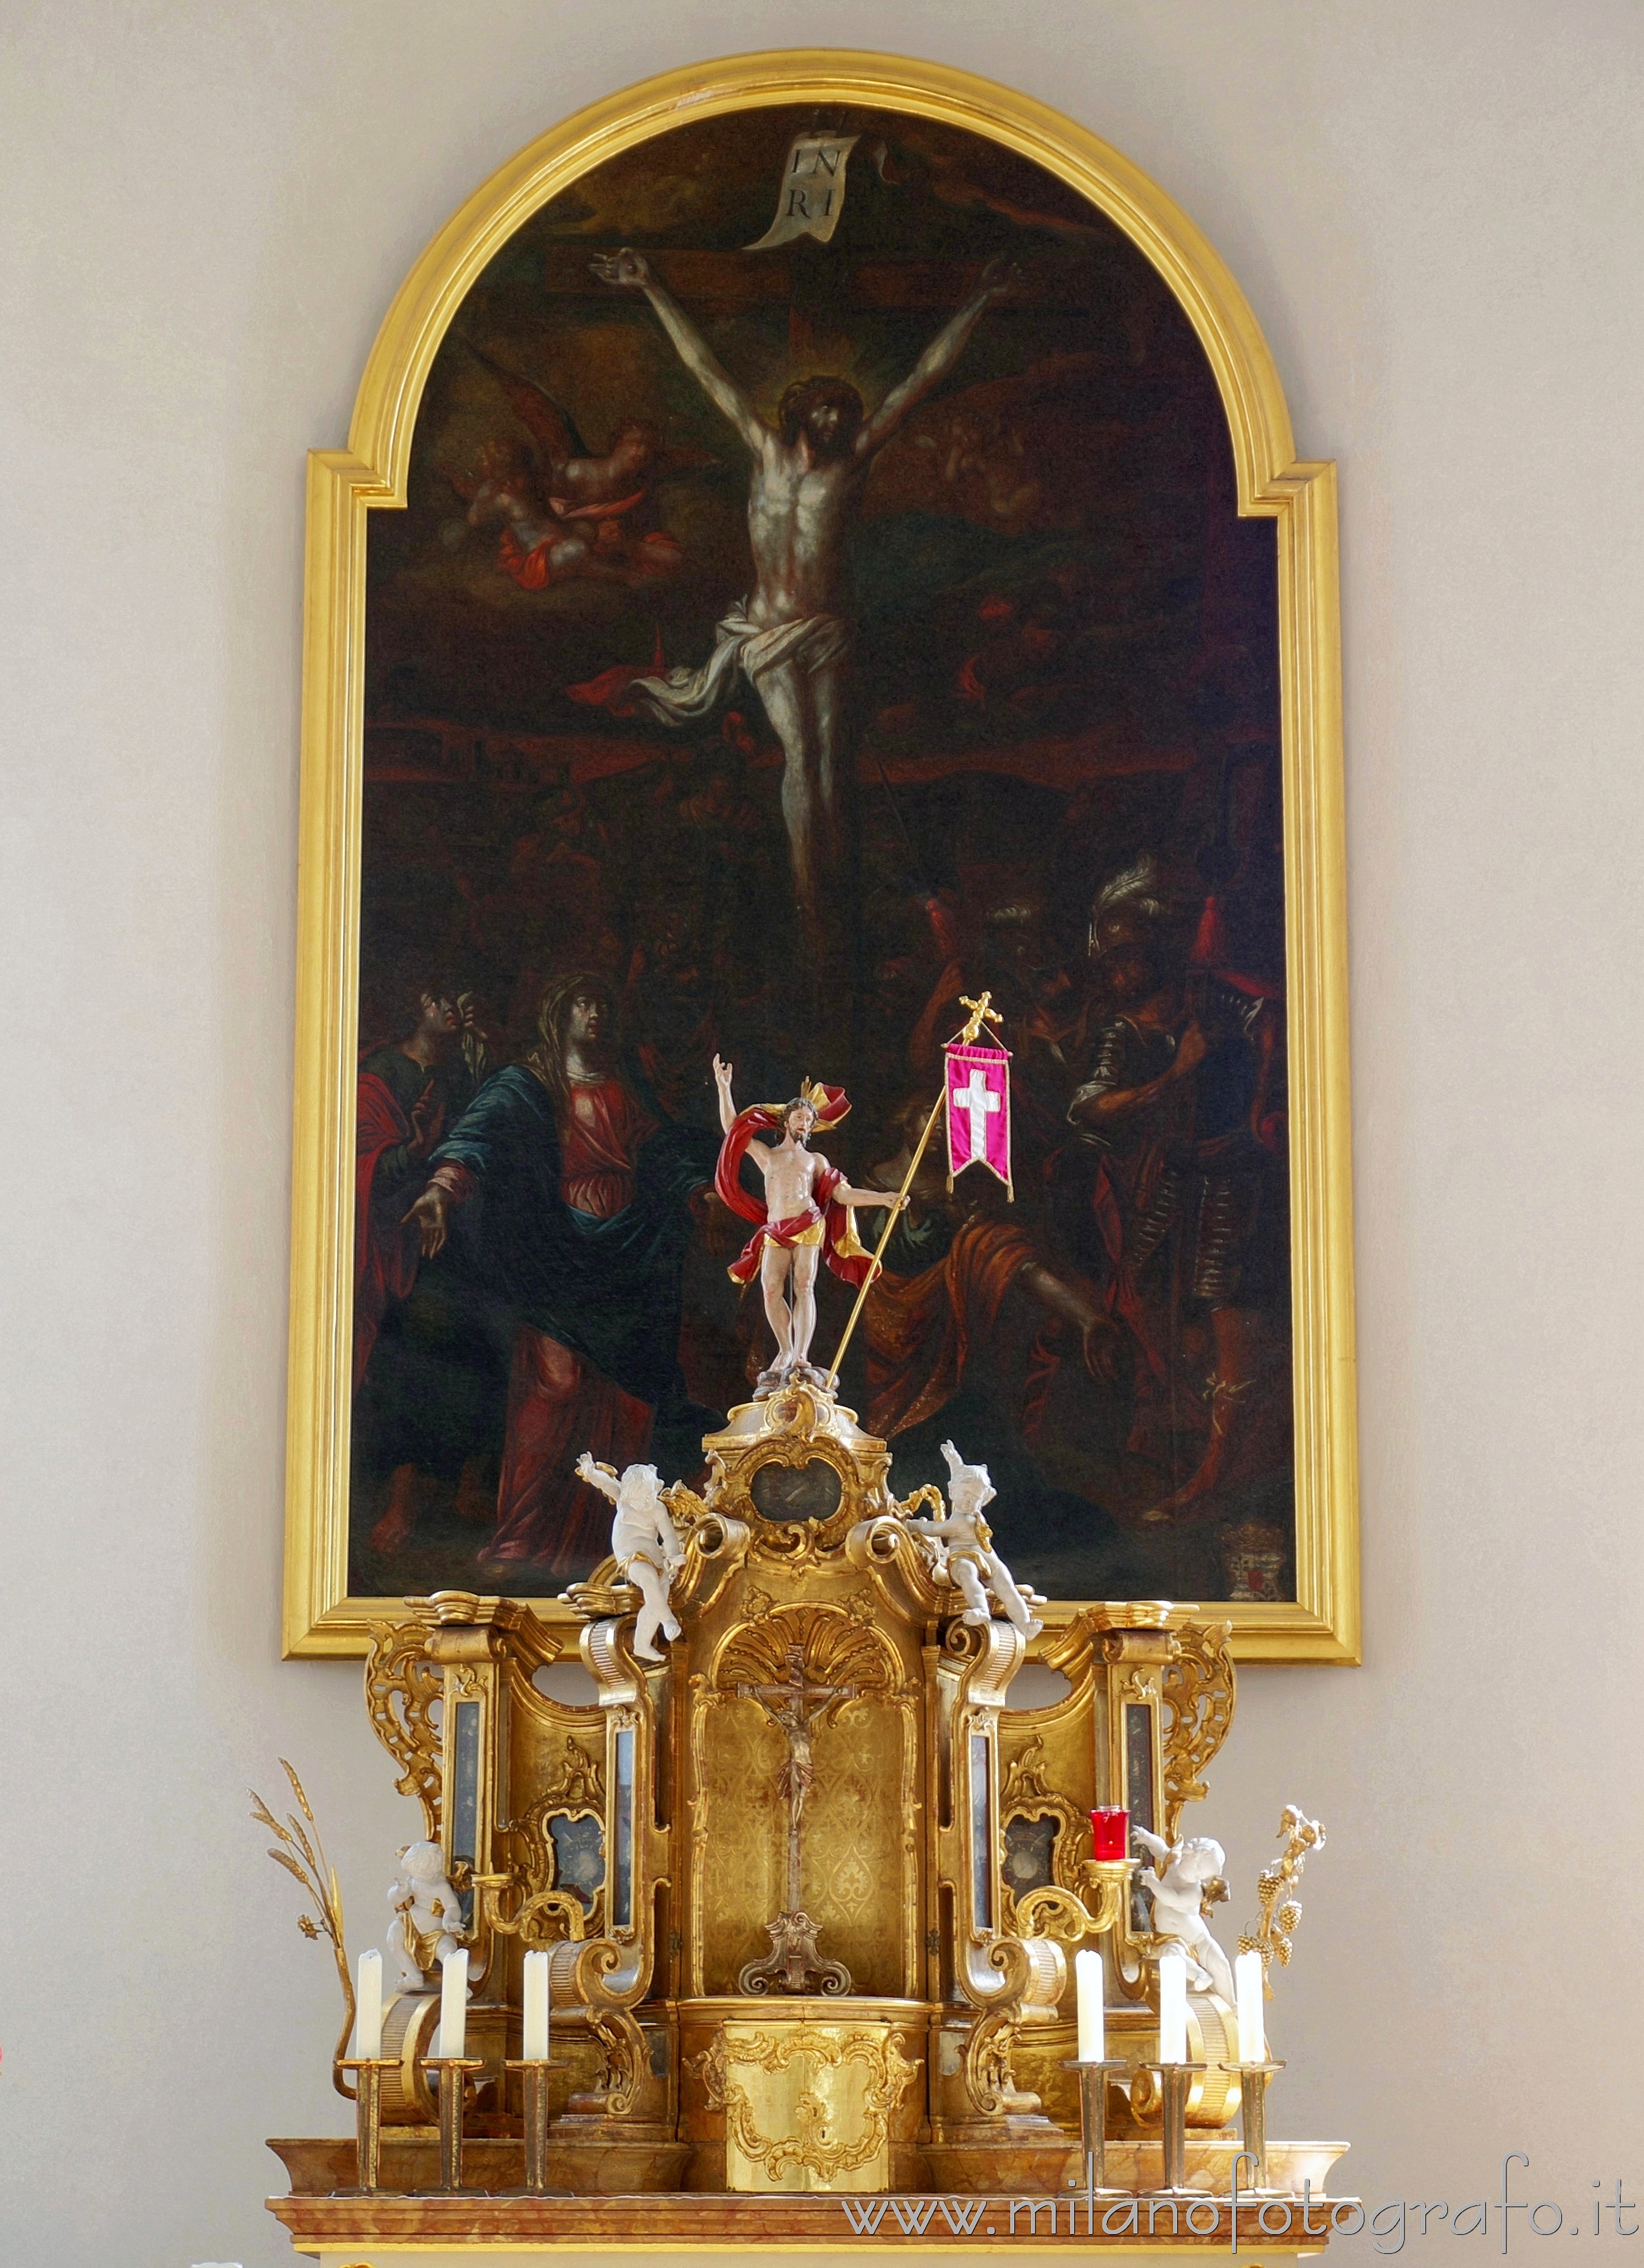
x=810 y=1885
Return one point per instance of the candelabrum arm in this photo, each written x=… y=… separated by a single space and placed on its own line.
x=1071 y=1916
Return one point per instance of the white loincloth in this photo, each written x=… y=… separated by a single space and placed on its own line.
x=688 y=696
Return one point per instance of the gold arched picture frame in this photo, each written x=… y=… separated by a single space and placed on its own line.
x=897 y=137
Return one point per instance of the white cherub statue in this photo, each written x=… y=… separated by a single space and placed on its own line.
x=644 y=1542
x=1177 y=1887
x=961 y=1549
x=427 y=1912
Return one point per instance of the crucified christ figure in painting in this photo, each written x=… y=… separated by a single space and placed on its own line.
x=791 y=639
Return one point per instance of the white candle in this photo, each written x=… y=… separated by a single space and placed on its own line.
x=368 y=2008
x=1172 y=2007
x=1247 y=1977
x=535 y=2048
x=1087 y=1973
x=454 y=2004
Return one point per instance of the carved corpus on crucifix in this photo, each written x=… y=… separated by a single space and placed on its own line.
x=795 y=1706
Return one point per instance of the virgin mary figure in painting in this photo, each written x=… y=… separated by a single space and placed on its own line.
x=582 y=1200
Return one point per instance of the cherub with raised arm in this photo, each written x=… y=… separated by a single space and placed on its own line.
x=962 y=1550
x=791 y=638
x=427 y=1914
x=807 y=1211
x=645 y=1544
x=1182 y=1873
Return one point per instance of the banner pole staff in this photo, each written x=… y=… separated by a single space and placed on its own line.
x=981 y=1013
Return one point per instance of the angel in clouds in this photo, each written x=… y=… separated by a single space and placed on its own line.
x=568 y=513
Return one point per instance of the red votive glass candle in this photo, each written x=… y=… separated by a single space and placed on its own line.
x=1110 y=1834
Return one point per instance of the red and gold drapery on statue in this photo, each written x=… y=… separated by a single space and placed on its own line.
x=821 y=1222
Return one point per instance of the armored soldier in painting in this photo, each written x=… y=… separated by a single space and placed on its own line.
x=1179 y=1106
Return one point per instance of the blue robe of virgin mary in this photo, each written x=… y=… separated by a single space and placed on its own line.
x=608 y=1289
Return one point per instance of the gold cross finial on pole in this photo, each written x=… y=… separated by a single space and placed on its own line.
x=981 y=1012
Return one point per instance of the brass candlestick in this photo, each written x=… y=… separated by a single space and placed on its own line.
x=453 y=2074
x=368 y=2107
x=534 y=2071
x=1252 y=2087
x=1093 y=2121
x=1175 y=2083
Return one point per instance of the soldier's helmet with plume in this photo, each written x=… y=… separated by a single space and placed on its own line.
x=1139 y=907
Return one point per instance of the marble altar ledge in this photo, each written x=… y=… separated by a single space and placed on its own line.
x=437 y=2232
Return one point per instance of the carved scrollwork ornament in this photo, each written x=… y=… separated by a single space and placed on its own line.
x=1052 y=1911
x=1024 y=1795
x=961 y=1641
x=403 y=1688
x=603 y=1977
x=816 y=2146
x=578 y=1792
x=1033 y=1973
x=624 y=2046
x=1197 y=1690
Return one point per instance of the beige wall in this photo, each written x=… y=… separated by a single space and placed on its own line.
x=1436 y=211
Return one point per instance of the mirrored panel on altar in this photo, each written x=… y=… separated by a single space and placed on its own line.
x=821 y=598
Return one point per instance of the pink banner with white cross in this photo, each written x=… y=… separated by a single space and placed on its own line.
x=979 y=1110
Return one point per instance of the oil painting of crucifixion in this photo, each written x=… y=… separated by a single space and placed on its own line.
x=798 y=627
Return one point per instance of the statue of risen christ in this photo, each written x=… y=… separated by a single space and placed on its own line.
x=808 y=1210
x=789 y=638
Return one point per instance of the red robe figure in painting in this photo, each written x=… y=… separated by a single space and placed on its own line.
x=399 y=1115
x=936 y=1308
x=582 y=1232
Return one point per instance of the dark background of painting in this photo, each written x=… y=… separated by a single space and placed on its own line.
x=1066 y=659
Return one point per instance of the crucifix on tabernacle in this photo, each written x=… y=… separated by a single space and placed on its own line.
x=796 y=1707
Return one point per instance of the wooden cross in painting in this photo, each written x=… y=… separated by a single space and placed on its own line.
x=814 y=282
